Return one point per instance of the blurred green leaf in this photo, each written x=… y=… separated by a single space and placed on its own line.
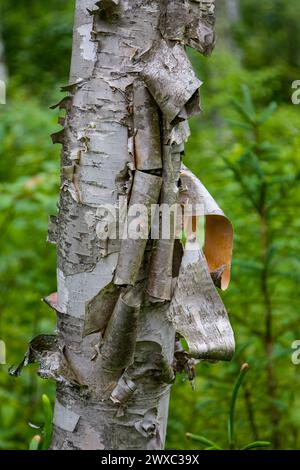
x=35 y=443
x=48 y=417
x=203 y=440
x=256 y=445
x=267 y=113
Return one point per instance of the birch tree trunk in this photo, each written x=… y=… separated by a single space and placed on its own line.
x=120 y=300
x=97 y=158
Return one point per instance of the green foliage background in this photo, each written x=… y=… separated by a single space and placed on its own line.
x=251 y=168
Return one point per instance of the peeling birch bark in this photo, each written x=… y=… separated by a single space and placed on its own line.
x=190 y=22
x=161 y=263
x=147 y=139
x=170 y=77
x=53 y=364
x=145 y=192
x=218 y=228
x=52 y=301
x=197 y=311
x=104 y=302
x=119 y=341
x=131 y=91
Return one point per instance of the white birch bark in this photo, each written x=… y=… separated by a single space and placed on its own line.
x=100 y=119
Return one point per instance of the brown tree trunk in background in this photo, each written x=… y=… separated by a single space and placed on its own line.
x=233 y=10
x=229 y=13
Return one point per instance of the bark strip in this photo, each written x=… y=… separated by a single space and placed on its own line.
x=161 y=264
x=171 y=79
x=118 y=346
x=197 y=310
x=147 y=141
x=100 y=308
x=145 y=192
x=218 y=228
x=191 y=22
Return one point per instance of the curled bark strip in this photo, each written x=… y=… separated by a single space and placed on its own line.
x=120 y=335
x=147 y=144
x=201 y=31
x=53 y=363
x=100 y=308
x=174 y=19
x=65 y=103
x=58 y=137
x=72 y=87
x=145 y=191
x=170 y=78
x=197 y=311
x=124 y=390
x=40 y=350
x=190 y=22
x=218 y=228
x=52 y=301
x=161 y=264
x=160 y=276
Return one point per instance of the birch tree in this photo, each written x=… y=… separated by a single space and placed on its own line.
x=123 y=303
